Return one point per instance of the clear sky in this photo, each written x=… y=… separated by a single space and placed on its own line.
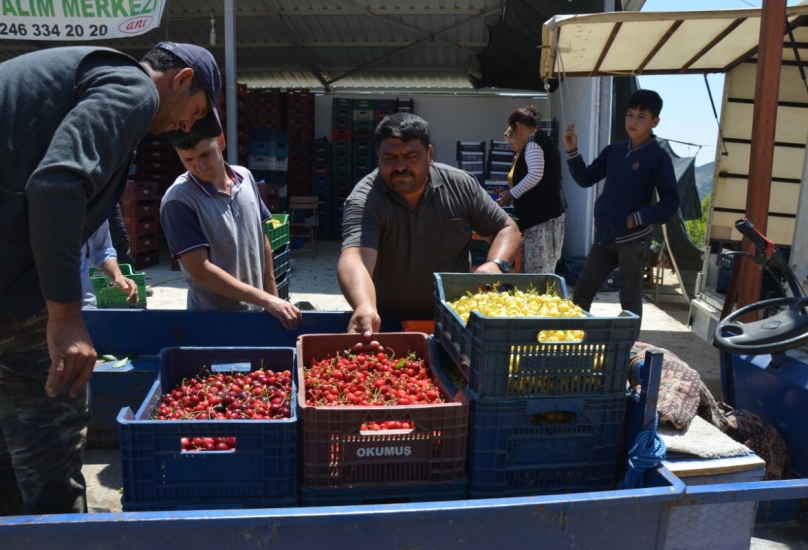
x=686 y=112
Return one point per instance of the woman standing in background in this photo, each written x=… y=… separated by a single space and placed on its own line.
x=534 y=190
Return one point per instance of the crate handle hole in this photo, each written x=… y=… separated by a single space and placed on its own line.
x=555 y=336
x=372 y=429
x=553 y=417
x=207 y=444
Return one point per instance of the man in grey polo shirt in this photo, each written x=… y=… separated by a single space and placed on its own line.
x=411 y=218
x=213 y=221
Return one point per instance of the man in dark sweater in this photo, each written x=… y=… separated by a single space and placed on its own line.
x=72 y=118
x=633 y=169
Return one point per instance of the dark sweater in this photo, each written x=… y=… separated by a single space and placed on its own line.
x=71 y=119
x=543 y=202
x=631 y=177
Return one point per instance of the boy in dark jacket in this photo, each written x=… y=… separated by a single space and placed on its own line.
x=633 y=169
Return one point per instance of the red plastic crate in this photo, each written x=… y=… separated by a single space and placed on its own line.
x=173 y=166
x=155 y=143
x=156 y=155
x=341 y=135
x=163 y=179
x=144 y=243
x=337 y=454
x=141 y=226
x=137 y=190
x=140 y=208
x=145 y=259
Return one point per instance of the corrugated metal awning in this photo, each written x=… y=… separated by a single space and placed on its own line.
x=680 y=42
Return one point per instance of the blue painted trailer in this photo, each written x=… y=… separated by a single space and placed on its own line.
x=602 y=519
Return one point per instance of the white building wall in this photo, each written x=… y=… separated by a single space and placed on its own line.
x=451 y=119
x=578 y=101
x=468 y=118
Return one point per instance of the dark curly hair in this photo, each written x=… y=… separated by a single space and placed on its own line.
x=529 y=116
x=404 y=126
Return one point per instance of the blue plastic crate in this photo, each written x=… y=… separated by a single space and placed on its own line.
x=384 y=495
x=259 y=148
x=146 y=332
x=280 y=261
x=385 y=105
x=283 y=285
x=260 y=472
x=505 y=359
x=268 y=134
x=541 y=446
x=111 y=389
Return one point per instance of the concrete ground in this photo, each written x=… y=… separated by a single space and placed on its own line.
x=314 y=280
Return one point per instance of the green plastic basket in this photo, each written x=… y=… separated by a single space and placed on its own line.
x=278 y=236
x=112 y=296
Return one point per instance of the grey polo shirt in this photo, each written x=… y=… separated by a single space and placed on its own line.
x=195 y=214
x=412 y=244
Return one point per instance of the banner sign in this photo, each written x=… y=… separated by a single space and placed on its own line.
x=77 y=19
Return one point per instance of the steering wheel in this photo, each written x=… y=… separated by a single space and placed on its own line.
x=785 y=330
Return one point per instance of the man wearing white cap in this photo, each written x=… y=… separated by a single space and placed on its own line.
x=72 y=118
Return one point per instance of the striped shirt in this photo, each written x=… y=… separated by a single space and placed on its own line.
x=534 y=157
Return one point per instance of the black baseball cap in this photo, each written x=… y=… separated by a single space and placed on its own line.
x=205 y=69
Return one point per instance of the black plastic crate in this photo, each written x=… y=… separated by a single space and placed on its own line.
x=504 y=357
x=262 y=470
x=470 y=146
x=540 y=446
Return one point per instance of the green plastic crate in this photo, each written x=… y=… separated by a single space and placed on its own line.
x=112 y=296
x=278 y=236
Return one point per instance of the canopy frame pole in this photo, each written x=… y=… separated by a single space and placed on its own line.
x=764 y=124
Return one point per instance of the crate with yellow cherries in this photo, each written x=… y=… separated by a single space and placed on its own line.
x=519 y=336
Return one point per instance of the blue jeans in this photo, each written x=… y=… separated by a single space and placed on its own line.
x=602 y=260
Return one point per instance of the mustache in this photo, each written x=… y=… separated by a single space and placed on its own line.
x=402 y=173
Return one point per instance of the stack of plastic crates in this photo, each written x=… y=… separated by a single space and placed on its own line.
x=278 y=235
x=545 y=417
x=471 y=158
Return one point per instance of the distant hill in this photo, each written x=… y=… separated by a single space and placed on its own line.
x=704 y=179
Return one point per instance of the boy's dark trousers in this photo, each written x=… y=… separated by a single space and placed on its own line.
x=602 y=260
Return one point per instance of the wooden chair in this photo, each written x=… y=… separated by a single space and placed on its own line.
x=303 y=220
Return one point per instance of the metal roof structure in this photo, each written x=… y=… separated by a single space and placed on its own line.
x=629 y=43
x=418 y=46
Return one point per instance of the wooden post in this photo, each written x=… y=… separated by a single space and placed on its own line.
x=764 y=122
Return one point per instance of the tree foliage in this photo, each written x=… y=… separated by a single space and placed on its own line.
x=697 y=229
